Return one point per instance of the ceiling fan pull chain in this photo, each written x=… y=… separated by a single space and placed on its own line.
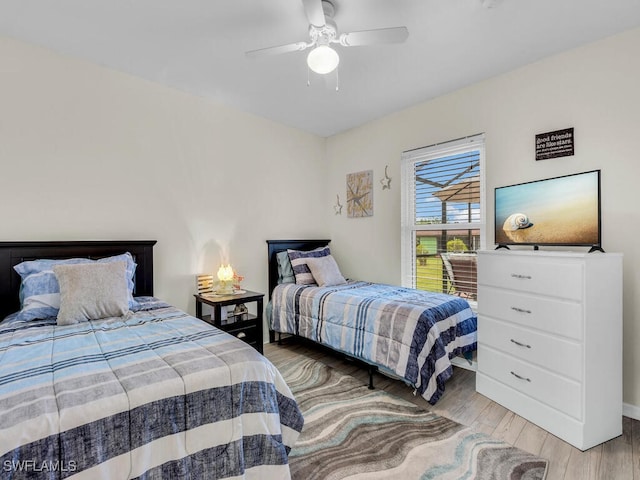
x=337 y=80
x=308 y=79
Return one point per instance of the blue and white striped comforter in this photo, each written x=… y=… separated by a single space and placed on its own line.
x=412 y=333
x=154 y=395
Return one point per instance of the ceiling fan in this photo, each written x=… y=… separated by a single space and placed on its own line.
x=323 y=32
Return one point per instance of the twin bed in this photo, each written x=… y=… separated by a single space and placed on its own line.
x=152 y=394
x=406 y=333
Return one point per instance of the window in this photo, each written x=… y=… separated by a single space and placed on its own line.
x=443 y=216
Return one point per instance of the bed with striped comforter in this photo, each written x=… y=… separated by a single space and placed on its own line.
x=154 y=395
x=411 y=333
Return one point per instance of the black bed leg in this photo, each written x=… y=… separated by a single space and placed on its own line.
x=372 y=370
x=279 y=338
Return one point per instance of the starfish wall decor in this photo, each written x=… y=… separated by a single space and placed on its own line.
x=338 y=206
x=386 y=181
x=360 y=194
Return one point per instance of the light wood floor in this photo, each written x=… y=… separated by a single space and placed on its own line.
x=617 y=459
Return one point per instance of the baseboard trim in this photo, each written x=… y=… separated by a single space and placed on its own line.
x=631 y=411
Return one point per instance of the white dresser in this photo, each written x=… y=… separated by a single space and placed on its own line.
x=550 y=340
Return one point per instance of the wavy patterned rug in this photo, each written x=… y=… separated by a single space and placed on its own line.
x=356 y=433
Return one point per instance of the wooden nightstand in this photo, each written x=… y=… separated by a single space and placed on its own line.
x=249 y=330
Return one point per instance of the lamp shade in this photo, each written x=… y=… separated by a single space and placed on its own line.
x=225 y=274
x=323 y=59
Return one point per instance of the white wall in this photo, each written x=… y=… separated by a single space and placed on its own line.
x=88 y=153
x=593 y=89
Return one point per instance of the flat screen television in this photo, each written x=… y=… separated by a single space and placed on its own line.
x=559 y=211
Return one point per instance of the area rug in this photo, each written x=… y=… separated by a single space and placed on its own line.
x=356 y=433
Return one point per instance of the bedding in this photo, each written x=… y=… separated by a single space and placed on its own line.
x=285 y=270
x=39 y=289
x=153 y=394
x=410 y=333
x=91 y=291
x=298 y=260
x=325 y=271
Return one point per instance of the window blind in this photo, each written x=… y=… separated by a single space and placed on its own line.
x=442 y=217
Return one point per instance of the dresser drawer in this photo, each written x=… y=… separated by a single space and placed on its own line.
x=551 y=315
x=533 y=275
x=554 y=390
x=556 y=354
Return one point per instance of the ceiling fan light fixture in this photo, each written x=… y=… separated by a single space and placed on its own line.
x=323 y=59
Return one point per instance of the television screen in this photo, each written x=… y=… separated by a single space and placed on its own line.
x=555 y=211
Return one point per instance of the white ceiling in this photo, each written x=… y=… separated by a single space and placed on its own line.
x=198 y=46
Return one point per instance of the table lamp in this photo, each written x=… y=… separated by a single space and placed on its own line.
x=225 y=280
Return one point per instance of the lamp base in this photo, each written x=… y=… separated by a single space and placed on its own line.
x=225 y=288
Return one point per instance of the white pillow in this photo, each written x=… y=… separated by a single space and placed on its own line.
x=325 y=271
x=92 y=291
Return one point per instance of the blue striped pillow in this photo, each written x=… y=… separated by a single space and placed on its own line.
x=40 y=291
x=299 y=263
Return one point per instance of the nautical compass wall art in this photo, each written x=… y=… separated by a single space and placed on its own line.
x=360 y=194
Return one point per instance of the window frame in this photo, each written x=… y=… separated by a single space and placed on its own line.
x=409 y=226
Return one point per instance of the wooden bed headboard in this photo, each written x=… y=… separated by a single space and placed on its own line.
x=12 y=253
x=275 y=246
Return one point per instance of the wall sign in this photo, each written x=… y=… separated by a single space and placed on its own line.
x=554 y=144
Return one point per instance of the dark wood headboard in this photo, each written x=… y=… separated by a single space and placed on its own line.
x=12 y=253
x=275 y=246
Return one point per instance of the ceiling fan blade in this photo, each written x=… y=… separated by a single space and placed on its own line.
x=314 y=11
x=291 y=47
x=373 y=37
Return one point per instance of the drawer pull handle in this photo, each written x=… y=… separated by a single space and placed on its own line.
x=520 y=310
x=520 y=344
x=520 y=377
x=523 y=277
x=241 y=335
